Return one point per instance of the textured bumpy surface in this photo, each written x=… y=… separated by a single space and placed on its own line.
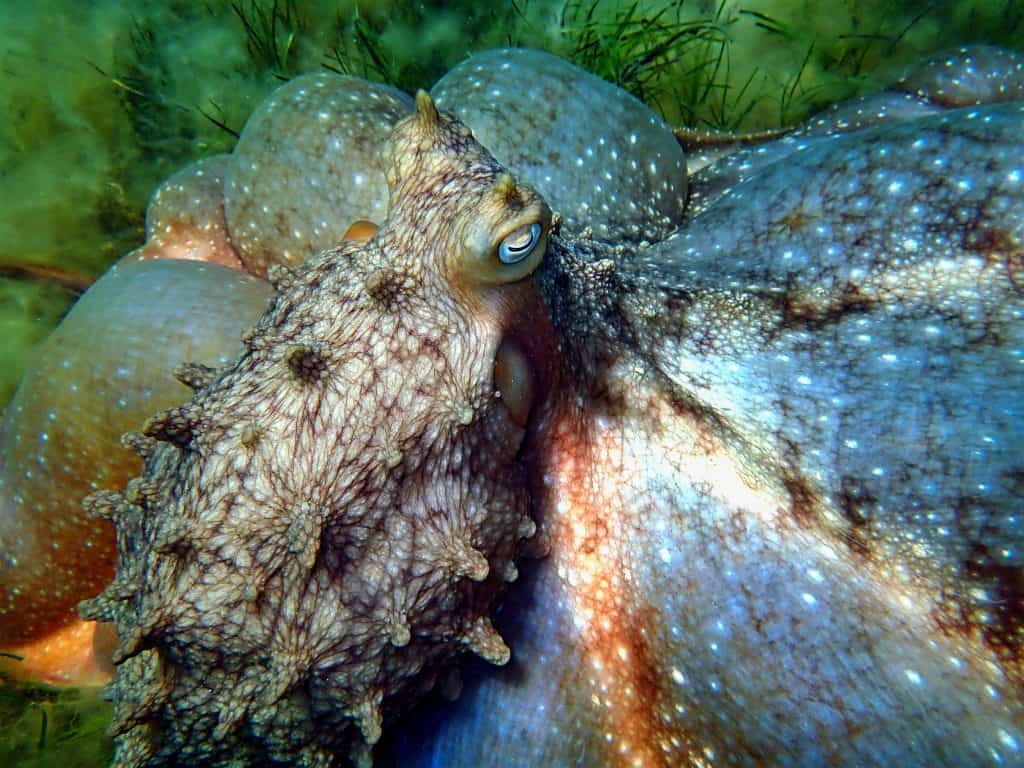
x=774 y=458
x=292 y=566
x=963 y=77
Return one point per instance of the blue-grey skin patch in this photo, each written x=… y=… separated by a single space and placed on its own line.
x=307 y=165
x=964 y=77
x=794 y=538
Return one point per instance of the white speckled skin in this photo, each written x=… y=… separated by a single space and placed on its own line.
x=963 y=77
x=779 y=474
x=782 y=483
x=602 y=159
x=185 y=218
x=980 y=74
x=306 y=166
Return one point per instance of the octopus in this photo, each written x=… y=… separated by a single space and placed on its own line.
x=710 y=459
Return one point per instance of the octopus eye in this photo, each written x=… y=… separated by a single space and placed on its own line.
x=519 y=244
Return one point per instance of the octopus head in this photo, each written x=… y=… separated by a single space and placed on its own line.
x=470 y=232
x=328 y=524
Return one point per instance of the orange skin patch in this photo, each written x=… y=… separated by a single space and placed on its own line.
x=588 y=466
x=632 y=685
x=361 y=230
x=590 y=562
x=186 y=220
x=181 y=239
x=77 y=654
x=60 y=443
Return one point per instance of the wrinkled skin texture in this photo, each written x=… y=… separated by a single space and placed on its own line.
x=781 y=490
x=778 y=471
x=292 y=568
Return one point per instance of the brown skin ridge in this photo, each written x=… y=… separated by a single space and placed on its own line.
x=997 y=624
x=636 y=718
x=1000 y=251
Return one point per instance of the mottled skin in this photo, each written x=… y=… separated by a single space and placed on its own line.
x=781 y=478
x=293 y=568
x=776 y=469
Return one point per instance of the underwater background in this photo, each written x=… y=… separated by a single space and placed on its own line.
x=103 y=100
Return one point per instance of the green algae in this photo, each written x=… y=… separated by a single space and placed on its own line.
x=107 y=99
x=47 y=727
x=28 y=311
x=104 y=100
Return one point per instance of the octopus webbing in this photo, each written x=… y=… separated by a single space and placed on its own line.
x=764 y=421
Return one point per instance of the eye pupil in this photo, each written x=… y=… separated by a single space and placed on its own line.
x=519 y=244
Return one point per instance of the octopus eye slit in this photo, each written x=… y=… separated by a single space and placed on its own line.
x=520 y=244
